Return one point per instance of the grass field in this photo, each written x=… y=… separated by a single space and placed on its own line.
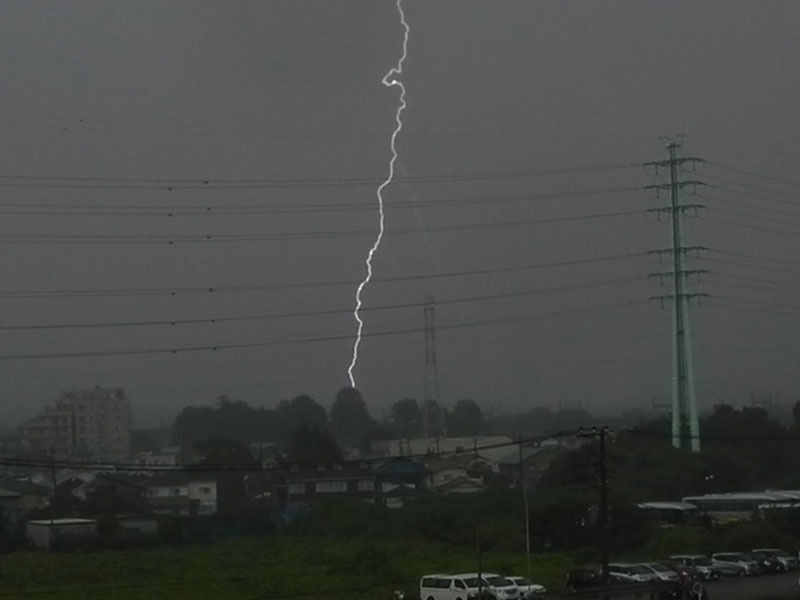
x=244 y=568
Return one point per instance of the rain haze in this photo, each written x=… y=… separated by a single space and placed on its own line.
x=195 y=161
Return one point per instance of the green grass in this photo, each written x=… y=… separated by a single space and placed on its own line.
x=244 y=568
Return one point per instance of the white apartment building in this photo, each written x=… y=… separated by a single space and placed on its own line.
x=92 y=423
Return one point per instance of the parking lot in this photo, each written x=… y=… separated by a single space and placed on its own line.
x=763 y=587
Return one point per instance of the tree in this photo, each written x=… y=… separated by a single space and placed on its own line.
x=466 y=418
x=406 y=417
x=313 y=446
x=300 y=411
x=350 y=419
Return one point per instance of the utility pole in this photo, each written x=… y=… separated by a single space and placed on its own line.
x=685 y=428
x=604 y=505
x=523 y=484
x=602 y=475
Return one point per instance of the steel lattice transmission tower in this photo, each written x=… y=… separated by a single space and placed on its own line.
x=432 y=417
x=685 y=426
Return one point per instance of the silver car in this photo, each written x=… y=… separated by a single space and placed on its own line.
x=700 y=563
x=662 y=571
x=735 y=563
x=527 y=589
x=631 y=572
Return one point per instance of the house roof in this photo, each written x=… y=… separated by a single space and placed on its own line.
x=437 y=465
x=346 y=472
x=9 y=494
x=460 y=482
x=403 y=491
x=400 y=466
x=512 y=458
x=23 y=487
x=62 y=522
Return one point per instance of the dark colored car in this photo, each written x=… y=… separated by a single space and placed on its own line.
x=586 y=578
x=767 y=563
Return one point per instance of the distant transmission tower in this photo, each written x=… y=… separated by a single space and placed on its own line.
x=685 y=427
x=432 y=417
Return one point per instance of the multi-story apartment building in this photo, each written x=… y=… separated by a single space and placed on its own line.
x=91 y=423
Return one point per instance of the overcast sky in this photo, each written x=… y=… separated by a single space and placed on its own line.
x=134 y=98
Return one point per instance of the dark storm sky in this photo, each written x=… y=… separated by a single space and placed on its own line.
x=121 y=93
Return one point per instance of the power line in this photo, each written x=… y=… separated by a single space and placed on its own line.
x=755 y=192
x=755 y=267
x=211 y=183
x=221 y=289
x=268 y=316
x=177 y=210
x=307 y=340
x=758 y=217
x=782 y=261
x=749 y=227
x=24 y=238
x=753 y=174
x=727 y=201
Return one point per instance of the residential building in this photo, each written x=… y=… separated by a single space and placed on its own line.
x=534 y=460
x=45 y=533
x=163 y=457
x=181 y=494
x=31 y=496
x=398 y=480
x=92 y=424
x=329 y=480
x=10 y=506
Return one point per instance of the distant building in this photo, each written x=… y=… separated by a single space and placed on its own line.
x=46 y=532
x=91 y=424
x=329 y=480
x=181 y=494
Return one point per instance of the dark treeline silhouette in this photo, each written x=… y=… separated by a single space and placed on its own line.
x=349 y=422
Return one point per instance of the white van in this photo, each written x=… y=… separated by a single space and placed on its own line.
x=442 y=587
x=465 y=586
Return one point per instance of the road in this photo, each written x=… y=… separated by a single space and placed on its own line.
x=765 y=587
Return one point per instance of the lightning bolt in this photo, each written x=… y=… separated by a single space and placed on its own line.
x=389 y=80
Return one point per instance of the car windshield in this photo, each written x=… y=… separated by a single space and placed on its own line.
x=472 y=582
x=780 y=553
x=521 y=581
x=660 y=567
x=746 y=557
x=499 y=581
x=702 y=561
x=638 y=570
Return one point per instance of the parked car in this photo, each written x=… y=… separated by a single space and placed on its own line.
x=632 y=573
x=501 y=588
x=735 y=563
x=662 y=571
x=701 y=563
x=442 y=587
x=588 y=578
x=527 y=589
x=768 y=564
x=685 y=572
x=788 y=561
x=472 y=586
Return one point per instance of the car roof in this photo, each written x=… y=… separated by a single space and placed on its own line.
x=765 y=550
x=688 y=556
